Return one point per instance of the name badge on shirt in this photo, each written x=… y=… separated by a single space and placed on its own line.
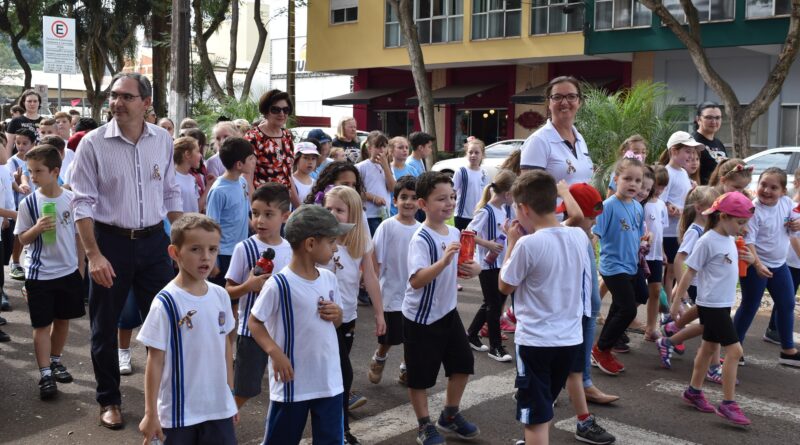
x=156 y=173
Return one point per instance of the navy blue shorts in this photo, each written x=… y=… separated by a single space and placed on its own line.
x=656 y=271
x=287 y=420
x=248 y=368
x=541 y=373
x=671 y=248
x=210 y=432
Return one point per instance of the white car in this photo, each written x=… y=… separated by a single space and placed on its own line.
x=495 y=154
x=300 y=133
x=785 y=158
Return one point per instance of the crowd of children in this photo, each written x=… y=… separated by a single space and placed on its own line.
x=267 y=269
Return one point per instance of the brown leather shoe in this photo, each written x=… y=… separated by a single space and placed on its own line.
x=111 y=417
x=594 y=395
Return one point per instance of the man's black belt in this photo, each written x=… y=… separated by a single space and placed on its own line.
x=130 y=233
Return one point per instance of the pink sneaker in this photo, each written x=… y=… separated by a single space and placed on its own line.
x=698 y=400
x=732 y=412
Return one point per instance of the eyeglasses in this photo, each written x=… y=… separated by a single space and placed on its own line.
x=125 y=96
x=277 y=110
x=571 y=97
x=712 y=118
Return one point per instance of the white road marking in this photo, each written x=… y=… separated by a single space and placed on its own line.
x=627 y=434
x=401 y=419
x=750 y=405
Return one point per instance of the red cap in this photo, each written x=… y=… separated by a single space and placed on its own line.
x=588 y=198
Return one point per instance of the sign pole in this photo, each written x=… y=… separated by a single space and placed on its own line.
x=59 y=93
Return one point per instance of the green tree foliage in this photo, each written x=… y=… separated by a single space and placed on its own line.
x=606 y=120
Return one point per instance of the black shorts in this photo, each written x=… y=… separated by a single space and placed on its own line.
x=692 y=291
x=56 y=299
x=211 y=431
x=641 y=292
x=428 y=347
x=394 y=329
x=671 y=248
x=541 y=373
x=717 y=325
x=656 y=271
x=248 y=368
x=579 y=363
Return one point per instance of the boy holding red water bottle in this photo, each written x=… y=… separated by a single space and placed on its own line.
x=269 y=209
x=52 y=281
x=434 y=334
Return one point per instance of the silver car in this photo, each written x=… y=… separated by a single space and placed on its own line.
x=494 y=156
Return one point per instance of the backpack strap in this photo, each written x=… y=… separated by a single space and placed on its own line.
x=287 y=315
x=175 y=355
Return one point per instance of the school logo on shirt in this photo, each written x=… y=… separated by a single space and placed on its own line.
x=221 y=321
x=728 y=259
x=624 y=224
x=652 y=217
x=336 y=264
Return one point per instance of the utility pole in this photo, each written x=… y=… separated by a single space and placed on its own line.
x=179 y=71
x=290 y=59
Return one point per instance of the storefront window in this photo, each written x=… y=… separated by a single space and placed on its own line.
x=395 y=122
x=496 y=18
x=790 y=125
x=556 y=16
x=488 y=125
x=707 y=10
x=439 y=21
x=619 y=14
x=767 y=8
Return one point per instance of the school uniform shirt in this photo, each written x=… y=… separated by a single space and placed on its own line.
x=190 y=193
x=546 y=149
x=468 y=185
x=302 y=189
x=194 y=381
x=49 y=261
x=228 y=204
x=656 y=218
x=289 y=311
x=436 y=299
x=69 y=156
x=416 y=166
x=6 y=192
x=767 y=231
x=487 y=223
x=348 y=275
x=244 y=258
x=14 y=163
x=620 y=228
x=792 y=260
x=716 y=261
x=392 y=239
x=675 y=193
x=693 y=233
x=552 y=272
x=214 y=166
x=374 y=183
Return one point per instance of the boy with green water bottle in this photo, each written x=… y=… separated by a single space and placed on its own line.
x=52 y=281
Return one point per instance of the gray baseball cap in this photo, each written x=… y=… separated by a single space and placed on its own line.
x=313 y=220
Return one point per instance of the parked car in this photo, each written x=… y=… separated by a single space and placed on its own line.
x=300 y=133
x=495 y=154
x=785 y=158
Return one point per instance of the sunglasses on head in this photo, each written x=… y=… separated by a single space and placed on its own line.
x=276 y=110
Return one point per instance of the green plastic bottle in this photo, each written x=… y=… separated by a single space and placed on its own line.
x=49 y=209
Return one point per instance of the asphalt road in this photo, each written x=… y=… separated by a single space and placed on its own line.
x=649 y=412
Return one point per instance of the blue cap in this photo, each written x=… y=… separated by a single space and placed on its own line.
x=319 y=135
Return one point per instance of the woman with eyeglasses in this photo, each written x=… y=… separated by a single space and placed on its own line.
x=272 y=142
x=707 y=123
x=347 y=139
x=558 y=147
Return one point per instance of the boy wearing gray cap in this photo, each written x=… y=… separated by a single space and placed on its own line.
x=302 y=302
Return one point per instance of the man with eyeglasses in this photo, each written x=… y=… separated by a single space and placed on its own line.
x=707 y=123
x=124 y=183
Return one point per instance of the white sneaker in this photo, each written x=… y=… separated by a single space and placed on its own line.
x=125 y=367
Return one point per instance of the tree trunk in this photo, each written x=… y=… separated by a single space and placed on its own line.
x=181 y=37
x=233 y=53
x=161 y=55
x=200 y=39
x=262 y=41
x=405 y=13
x=290 y=65
x=26 y=68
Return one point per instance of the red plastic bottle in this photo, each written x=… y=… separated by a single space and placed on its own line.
x=264 y=265
x=742 y=265
x=467 y=251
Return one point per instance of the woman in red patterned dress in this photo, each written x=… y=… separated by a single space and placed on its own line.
x=272 y=143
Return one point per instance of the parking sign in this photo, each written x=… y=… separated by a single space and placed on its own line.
x=58 y=39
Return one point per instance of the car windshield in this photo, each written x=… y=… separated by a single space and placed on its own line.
x=501 y=150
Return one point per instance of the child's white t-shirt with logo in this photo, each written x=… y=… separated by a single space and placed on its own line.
x=716 y=261
x=290 y=314
x=190 y=193
x=392 y=239
x=468 y=185
x=656 y=219
x=348 y=274
x=436 y=299
x=49 y=261
x=194 y=382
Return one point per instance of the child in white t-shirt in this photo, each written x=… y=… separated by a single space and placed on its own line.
x=294 y=321
x=269 y=209
x=491 y=215
x=306 y=155
x=656 y=219
x=469 y=182
x=553 y=261
x=52 y=281
x=189 y=372
x=378 y=179
x=391 y=257
x=186 y=157
x=715 y=262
